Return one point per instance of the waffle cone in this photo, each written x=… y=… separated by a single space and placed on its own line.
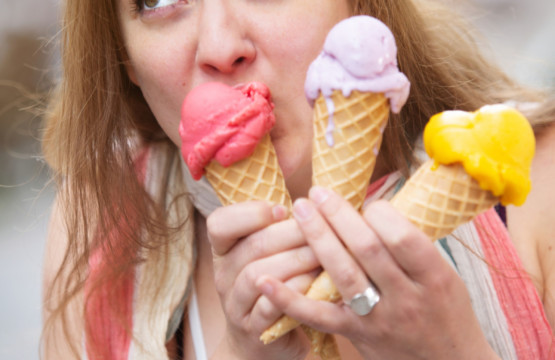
x=344 y=164
x=322 y=344
x=359 y=120
x=438 y=200
x=257 y=177
x=321 y=289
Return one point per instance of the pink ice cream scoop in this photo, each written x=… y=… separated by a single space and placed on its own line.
x=359 y=54
x=223 y=123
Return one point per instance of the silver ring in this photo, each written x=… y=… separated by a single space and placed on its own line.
x=363 y=303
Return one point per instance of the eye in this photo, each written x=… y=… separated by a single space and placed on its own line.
x=155 y=4
x=147 y=5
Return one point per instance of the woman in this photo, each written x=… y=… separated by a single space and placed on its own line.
x=128 y=255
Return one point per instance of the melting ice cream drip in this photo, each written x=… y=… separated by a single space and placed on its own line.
x=331 y=126
x=376 y=147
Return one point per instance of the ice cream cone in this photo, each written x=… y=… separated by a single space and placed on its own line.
x=344 y=154
x=322 y=344
x=257 y=177
x=438 y=200
x=352 y=85
x=321 y=289
x=343 y=159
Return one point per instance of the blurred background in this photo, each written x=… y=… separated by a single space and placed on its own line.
x=520 y=35
x=27 y=68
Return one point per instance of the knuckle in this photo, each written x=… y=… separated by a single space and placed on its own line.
x=439 y=282
x=304 y=256
x=214 y=228
x=266 y=310
x=250 y=274
x=368 y=249
x=383 y=330
x=257 y=245
x=347 y=277
x=403 y=239
x=300 y=283
x=409 y=313
x=312 y=230
x=316 y=229
x=263 y=212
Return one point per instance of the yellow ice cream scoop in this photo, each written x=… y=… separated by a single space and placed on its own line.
x=495 y=145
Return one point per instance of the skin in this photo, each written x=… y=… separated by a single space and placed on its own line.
x=416 y=318
x=177 y=47
x=531 y=225
x=254 y=259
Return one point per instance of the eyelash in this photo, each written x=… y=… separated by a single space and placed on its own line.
x=137 y=6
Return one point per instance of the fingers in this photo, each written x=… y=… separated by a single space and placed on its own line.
x=265 y=313
x=280 y=248
x=283 y=266
x=275 y=238
x=411 y=248
x=388 y=247
x=363 y=243
x=320 y=315
x=229 y=223
x=359 y=254
x=348 y=276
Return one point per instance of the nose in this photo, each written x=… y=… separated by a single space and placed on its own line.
x=224 y=45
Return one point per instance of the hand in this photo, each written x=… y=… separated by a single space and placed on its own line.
x=250 y=239
x=424 y=311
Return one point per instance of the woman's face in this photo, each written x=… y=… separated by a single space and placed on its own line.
x=175 y=45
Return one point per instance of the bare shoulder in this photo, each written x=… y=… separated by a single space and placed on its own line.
x=56 y=245
x=532 y=225
x=55 y=341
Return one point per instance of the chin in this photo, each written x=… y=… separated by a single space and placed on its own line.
x=299 y=182
x=296 y=165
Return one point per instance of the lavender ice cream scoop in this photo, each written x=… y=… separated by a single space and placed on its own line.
x=359 y=54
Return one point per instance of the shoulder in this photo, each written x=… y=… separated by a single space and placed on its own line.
x=542 y=196
x=56 y=244
x=55 y=341
x=532 y=225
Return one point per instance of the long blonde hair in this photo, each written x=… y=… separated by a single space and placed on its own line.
x=98 y=119
x=95 y=125
x=438 y=53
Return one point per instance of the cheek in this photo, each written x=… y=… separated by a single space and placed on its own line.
x=162 y=83
x=302 y=35
x=298 y=40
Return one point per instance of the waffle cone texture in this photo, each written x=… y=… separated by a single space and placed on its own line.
x=347 y=137
x=437 y=199
x=358 y=124
x=257 y=177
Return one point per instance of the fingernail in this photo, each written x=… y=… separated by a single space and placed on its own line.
x=279 y=212
x=318 y=194
x=302 y=209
